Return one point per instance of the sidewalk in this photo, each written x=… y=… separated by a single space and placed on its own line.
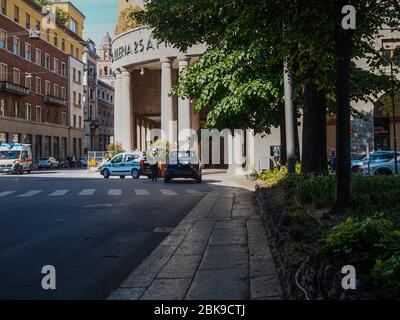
x=218 y=252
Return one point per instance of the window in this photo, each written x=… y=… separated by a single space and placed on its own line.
x=17 y=76
x=63 y=44
x=80 y=122
x=47 y=87
x=3 y=72
x=56 y=40
x=28 y=81
x=55 y=90
x=47 y=61
x=74 y=98
x=71 y=50
x=74 y=74
x=48 y=35
x=16 y=14
x=74 y=121
x=16 y=46
x=72 y=25
x=48 y=116
x=63 y=93
x=28 y=112
x=38 y=114
x=117 y=159
x=38 y=85
x=38 y=57
x=55 y=67
x=77 y=53
x=16 y=109
x=79 y=76
x=28 y=51
x=3 y=39
x=79 y=100
x=63 y=70
x=63 y=118
x=4 y=7
x=3 y=107
x=27 y=21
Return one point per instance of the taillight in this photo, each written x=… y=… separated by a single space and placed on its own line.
x=141 y=163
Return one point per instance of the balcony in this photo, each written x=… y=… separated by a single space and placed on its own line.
x=54 y=101
x=6 y=86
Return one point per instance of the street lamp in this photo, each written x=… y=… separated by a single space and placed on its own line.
x=391 y=61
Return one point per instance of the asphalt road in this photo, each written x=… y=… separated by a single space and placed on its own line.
x=93 y=231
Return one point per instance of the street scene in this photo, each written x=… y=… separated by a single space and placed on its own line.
x=199 y=151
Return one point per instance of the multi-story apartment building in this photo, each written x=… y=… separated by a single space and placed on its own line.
x=91 y=121
x=105 y=105
x=34 y=83
x=76 y=115
x=34 y=87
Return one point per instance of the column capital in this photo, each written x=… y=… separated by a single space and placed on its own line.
x=183 y=58
x=166 y=60
x=124 y=72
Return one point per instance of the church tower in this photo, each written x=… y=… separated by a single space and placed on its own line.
x=104 y=66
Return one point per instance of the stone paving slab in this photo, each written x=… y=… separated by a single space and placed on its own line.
x=219 y=251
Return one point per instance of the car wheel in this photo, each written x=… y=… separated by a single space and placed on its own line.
x=135 y=174
x=21 y=170
x=122 y=177
x=106 y=173
x=383 y=172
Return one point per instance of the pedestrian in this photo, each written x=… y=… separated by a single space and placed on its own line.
x=153 y=160
x=332 y=161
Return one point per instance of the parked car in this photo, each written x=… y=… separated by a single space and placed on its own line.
x=72 y=163
x=82 y=162
x=47 y=163
x=380 y=168
x=63 y=163
x=183 y=164
x=122 y=165
x=375 y=157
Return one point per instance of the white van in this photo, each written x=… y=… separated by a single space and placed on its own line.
x=15 y=158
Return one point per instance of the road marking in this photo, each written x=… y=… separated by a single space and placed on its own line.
x=142 y=192
x=102 y=205
x=30 y=193
x=58 y=193
x=193 y=191
x=114 y=192
x=168 y=192
x=87 y=192
x=6 y=193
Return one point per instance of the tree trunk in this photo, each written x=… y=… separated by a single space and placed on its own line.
x=343 y=44
x=314 y=145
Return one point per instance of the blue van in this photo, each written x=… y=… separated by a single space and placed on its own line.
x=122 y=165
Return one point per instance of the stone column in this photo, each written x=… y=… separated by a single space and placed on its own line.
x=166 y=99
x=143 y=134
x=123 y=109
x=138 y=139
x=183 y=111
x=235 y=168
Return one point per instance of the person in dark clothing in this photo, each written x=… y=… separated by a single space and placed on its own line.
x=332 y=161
x=154 y=172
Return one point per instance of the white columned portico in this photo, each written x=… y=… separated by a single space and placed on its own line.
x=166 y=100
x=123 y=110
x=183 y=111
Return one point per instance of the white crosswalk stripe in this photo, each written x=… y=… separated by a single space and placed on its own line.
x=58 y=193
x=168 y=192
x=6 y=193
x=114 y=192
x=87 y=192
x=142 y=192
x=30 y=193
x=193 y=191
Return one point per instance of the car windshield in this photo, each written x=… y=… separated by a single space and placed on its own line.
x=9 y=155
x=183 y=156
x=44 y=159
x=382 y=156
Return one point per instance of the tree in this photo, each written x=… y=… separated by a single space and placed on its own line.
x=127 y=20
x=312 y=44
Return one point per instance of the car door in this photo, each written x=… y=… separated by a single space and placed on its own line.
x=130 y=162
x=117 y=165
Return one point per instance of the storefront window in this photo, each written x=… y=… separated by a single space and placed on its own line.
x=64 y=147
x=38 y=147
x=16 y=138
x=47 y=146
x=3 y=137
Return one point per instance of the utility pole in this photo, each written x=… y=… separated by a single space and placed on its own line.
x=289 y=119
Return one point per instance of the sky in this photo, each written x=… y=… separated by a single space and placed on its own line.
x=101 y=16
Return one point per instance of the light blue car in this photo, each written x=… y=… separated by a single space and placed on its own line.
x=374 y=158
x=122 y=165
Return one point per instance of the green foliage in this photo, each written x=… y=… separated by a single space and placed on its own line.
x=62 y=16
x=127 y=20
x=318 y=190
x=372 y=245
x=114 y=149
